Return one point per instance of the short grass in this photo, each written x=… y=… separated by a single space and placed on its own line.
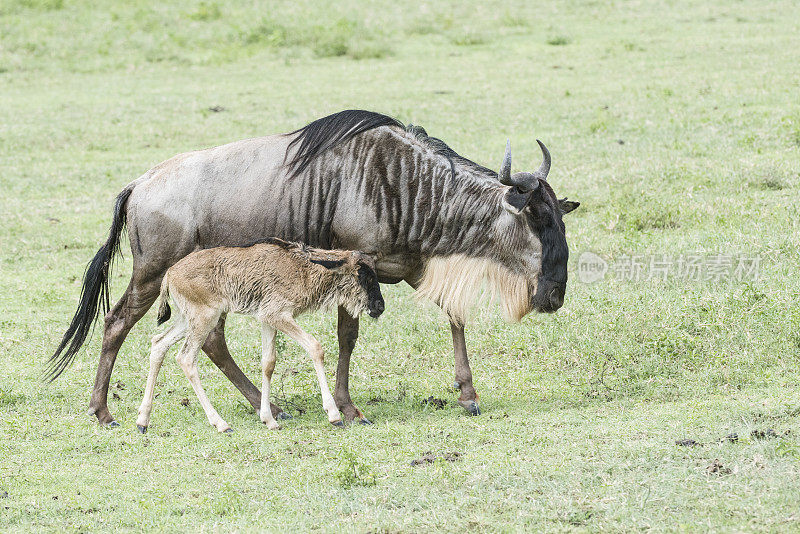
x=677 y=125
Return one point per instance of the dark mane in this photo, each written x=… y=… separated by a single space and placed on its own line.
x=327 y=132
x=441 y=148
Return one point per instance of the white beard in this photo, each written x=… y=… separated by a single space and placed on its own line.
x=457 y=282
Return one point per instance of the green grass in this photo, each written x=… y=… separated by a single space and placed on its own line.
x=676 y=126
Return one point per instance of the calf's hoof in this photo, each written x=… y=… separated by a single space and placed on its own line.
x=471 y=407
x=283 y=416
x=112 y=424
x=228 y=431
x=337 y=423
x=364 y=421
x=141 y=429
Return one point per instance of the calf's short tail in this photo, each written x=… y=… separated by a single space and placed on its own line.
x=164 y=310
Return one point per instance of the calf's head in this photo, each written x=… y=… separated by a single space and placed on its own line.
x=361 y=292
x=538 y=238
x=368 y=282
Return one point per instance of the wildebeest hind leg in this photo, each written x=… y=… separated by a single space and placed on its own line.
x=468 y=398
x=217 y=350
x=131 y=306
x=347 y=332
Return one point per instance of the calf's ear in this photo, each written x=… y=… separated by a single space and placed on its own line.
x=333 y=265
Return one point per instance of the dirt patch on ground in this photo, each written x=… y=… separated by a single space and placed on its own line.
x=716 y=468
x=438 y=404
x=763 y=434
x=687 y=443
x=184 y=402
x=374 y=400
x=429 y=458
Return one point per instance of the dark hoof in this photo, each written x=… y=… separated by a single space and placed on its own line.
x=456 y=386
x=228 y=431
x=471 y=407
x=283 y=416
x=141 y=429
x=112 y=424
x=338 y=423
x=364 y=421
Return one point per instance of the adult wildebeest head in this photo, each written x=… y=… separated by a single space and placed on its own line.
x=531 y=198
x=523 y=251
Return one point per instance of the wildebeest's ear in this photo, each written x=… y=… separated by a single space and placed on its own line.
x=333 y=265
x=515 y=200
x=567 y=205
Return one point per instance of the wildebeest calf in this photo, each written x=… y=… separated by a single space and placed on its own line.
x=273 y=280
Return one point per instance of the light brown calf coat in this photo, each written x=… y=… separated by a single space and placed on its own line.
x=274 y=281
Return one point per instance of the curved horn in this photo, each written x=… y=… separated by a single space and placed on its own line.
x=505 y=169
x=544 y=168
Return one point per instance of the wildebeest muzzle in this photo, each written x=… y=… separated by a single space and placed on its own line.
x=549 y=296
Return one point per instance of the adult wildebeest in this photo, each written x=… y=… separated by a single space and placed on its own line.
x=354 y=180
x=272 y=280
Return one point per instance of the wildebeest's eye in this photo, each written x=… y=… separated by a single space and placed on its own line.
x=540 y=214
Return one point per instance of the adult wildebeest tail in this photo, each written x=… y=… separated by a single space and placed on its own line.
x=163 y=308
x=93 y=293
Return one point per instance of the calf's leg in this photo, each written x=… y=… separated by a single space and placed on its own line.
x=288 y=326
x=468 y=398
x=347 y=332
x=200 y=324
x=159 y=347
x=217 y=350
x=267 y=367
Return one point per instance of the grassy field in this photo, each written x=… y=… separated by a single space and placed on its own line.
x=677 y=126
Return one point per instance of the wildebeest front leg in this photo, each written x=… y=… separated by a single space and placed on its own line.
x=468 y=398
x=347 y=332
x=217 y=350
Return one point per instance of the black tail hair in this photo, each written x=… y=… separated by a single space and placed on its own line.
x=93 y=293
x=164 y=311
